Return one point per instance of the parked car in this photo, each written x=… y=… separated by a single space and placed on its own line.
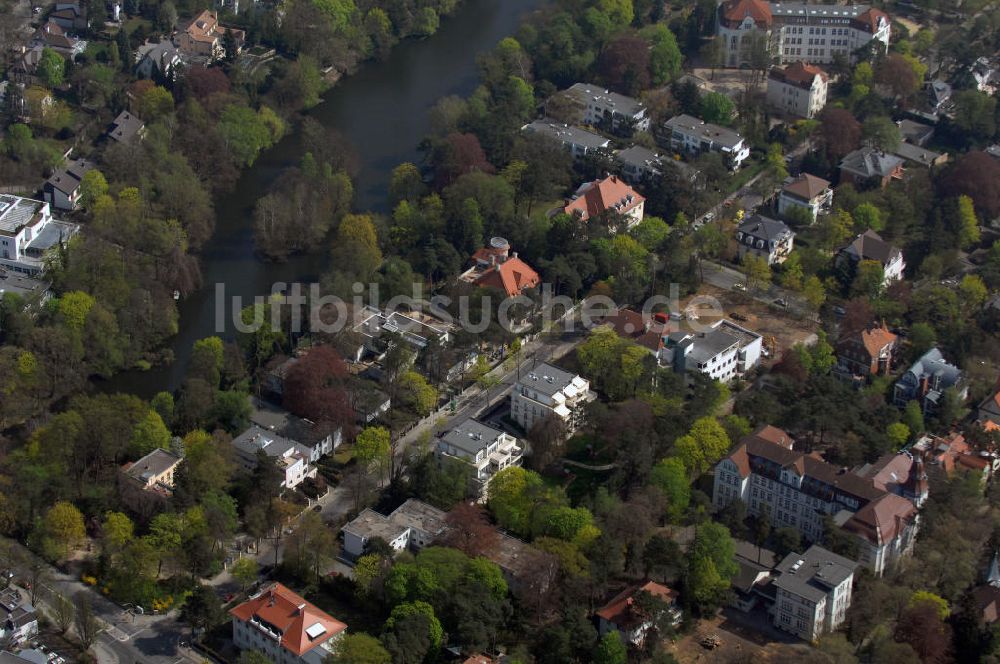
x=317 y=508
x=840 y=311
x=739 y=317
x=740 y=286
x=711 y=642
x=781 y=302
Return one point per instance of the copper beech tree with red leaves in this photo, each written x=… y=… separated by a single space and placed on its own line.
x=977 y=175
x=315 y=388
x=469 y=530
x=840 y=131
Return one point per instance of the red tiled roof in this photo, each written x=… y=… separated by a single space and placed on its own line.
x=512 y=277
x=799 y=73
x=631 y=325
x=619 y=609
x=602 y=195
x=773 y=434
x=882 y=519
x=288 y=613
x=877 y=338
x=870 y=19
x=735 y=11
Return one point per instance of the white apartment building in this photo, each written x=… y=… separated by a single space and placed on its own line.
x=485 y=450
x=285 y=627
x=798 y=89
x=694 y=136
x=604 y=108
x=724 y=352
x=578 y=141
x=412 y=525
x=798 y=490
x=547 y=390
x=813 y=592
x=796 y=32
x=291 y=457
x=28 y=232
x=417 y=329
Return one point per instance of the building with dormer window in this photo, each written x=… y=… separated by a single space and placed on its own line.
x=765 y=237
x=285 y=627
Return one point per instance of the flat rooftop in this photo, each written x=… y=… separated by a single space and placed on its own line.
x=471 y=436
x=16 y=212
x=547 y=379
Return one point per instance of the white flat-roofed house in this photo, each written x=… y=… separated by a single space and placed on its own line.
x=415 y=328
x=319 y=439
x=694 y=136
x=724 y=352
x=485 y=450
x=578 y=141
x=798 y=89
x=549 y=391
x=813 y=592
x=765 y=237
x=412 y=525
x=27 y=233
x=291 y=457
x=808 y=192
x=604 y=108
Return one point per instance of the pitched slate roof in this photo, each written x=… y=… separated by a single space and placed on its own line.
x=868 y=163
x=765 y=228
x=869 y=246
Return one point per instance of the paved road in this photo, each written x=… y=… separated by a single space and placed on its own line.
x=127 y=638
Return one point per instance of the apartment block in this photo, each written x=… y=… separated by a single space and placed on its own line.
x=549 y=391
x=485 y=450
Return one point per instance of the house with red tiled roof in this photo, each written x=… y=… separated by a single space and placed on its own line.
x=796 y=31
x=801 y=490
x=630 y=615
x=496 y=266
x=951 y=453
x=647 y=330
x=989 y=409
x=285 y=627
x=866 y=352
x=798 y=89
x=610 y=196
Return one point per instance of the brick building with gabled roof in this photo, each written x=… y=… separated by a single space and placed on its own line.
x=866 y=352
x=800 y=490
x=285 y=627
